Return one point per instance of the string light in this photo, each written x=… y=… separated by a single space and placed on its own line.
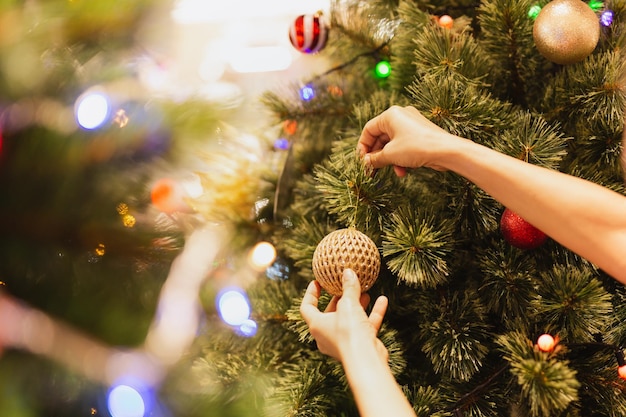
x=91 y=110
x=125 y=401
x=596 y=5
x=446 y=21
x=546 y=343
x=233 y=306
x=606 y=18
x=169 y=196
x=383 y=69
x=281 y=143
x=307 y=93
x=290 y=126
x=533 y=12
x=262 y=255
x=248 y=328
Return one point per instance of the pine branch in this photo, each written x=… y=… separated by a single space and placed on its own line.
x=508 y=285
x=505 y=34
x=547 y=384
x=353 y=196
x=463 y=110
x=573 y=301
x=455 y=337
x=416 y=246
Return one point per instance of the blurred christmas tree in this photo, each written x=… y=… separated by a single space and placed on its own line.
x=95 y=168
x=467 y=300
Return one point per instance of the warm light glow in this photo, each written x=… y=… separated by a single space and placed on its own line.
x=100 y=249
x=546 y=342
x=122 y=209
x=128 y=220
x=262 y=255
x=198 y=11
x=261 y=59
x=120 y=118
x=168 y=196
x=192 y=186
x=91 y=110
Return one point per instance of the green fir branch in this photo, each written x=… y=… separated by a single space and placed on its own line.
x=355 y=197
x=455 y=340
x=307 y=392
x=508 y=284
x=589 y=93
x=427 y=401
x=547 y=385
x=506 y=36
x=416 y=246
x=533 y=140
x=443 y=53
x=573 y=303
x=460 y=109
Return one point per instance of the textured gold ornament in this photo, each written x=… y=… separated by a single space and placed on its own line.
x=566 y=31
x=341 y=249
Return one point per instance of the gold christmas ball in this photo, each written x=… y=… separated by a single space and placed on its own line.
x=566 y=31
x=341 y=249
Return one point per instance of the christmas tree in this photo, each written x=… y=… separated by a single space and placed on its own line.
x=470 y=291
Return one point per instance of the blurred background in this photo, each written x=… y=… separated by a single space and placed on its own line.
x=112 y=116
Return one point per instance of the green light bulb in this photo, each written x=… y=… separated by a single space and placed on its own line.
x=533 y=12
x=383 y=69
x=596 y=5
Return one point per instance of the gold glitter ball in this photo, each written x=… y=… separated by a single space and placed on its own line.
x=566 y=31
x=341 y=249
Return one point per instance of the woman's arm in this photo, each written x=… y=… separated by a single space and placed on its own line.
x=583 y=216
x=345 y=332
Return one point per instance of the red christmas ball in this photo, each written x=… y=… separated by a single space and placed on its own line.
x=308 y=33
x=519 y=233
x=621 y=371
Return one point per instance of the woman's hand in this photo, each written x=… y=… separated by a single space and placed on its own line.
x=344 y=325
x=404 y=138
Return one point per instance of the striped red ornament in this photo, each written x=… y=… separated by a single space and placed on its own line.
x=308 y=33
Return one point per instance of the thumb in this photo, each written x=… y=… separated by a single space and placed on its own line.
x=351 y=285
x=375 y=159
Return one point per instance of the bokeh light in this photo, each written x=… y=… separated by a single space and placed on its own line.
x=248 y=328
x=383 y=69
x=168 y=196
x=92 y=110
x=282 y=144
x=125 y=401
x=262 y=255
x=596 y=5
x=307 y=93
x=606 y=18
x=290 y=126
x=233 y=306
x=533 y=12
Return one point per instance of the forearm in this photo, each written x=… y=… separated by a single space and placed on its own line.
x=374 y=387
x=583 y=216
